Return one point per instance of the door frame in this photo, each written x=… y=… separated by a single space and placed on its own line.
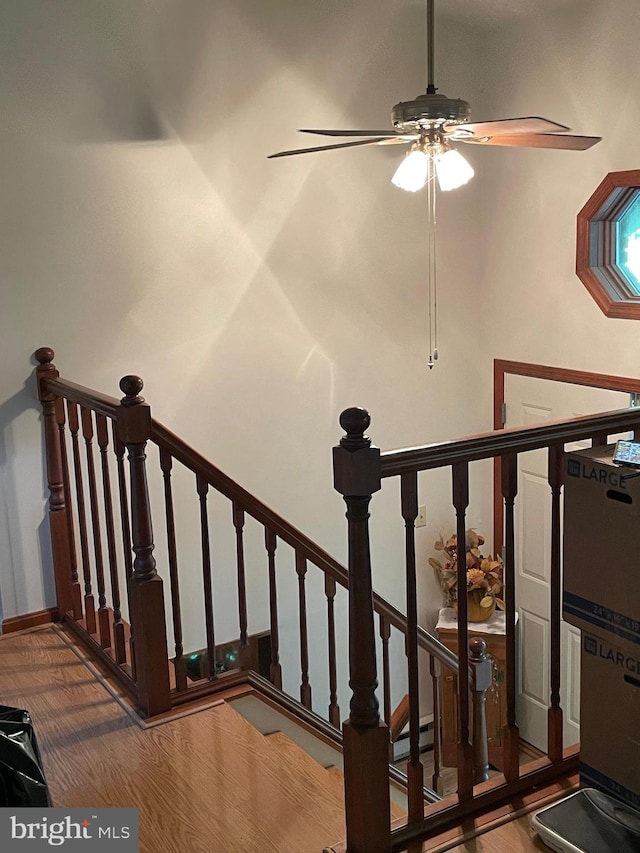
x=501 y=368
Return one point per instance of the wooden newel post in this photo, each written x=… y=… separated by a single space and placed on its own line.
x=356 y=467
x=58 y=500
x=480 y=681
x=146 y=595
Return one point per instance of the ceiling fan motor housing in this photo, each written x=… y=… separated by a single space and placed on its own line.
x=429 y=110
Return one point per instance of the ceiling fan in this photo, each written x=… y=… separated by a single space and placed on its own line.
x=431 y=122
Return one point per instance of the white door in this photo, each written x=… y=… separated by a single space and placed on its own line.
x=530 y=401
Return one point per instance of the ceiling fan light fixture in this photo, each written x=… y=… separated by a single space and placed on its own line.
x=413 y=172
x=452 y=170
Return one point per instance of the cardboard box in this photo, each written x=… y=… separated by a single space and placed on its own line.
x=610 y=716
x=601 y=561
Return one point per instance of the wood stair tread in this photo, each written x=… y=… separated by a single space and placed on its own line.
x=331 y=776
x=298 y=777
x=397 y=811
x=289 y=751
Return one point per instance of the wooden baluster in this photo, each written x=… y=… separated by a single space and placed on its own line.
x=555 y=722
x=104 y=631
x=76 y=589
x=203 y=488
x=146 y=594
x=511 y=734
x=179 y=662
x=460 y=473
x=415 y=770
x=124 y=504
x=58 y=509
x=305 y=687
x=275 y=670
x=125 y=528
x=385 y=636
x=89 y=601
x=119 y=643
x=334 y=708
x=481 y=680
x=238 y=523
x=436 y=780
x=357 y=476
x=599 y=439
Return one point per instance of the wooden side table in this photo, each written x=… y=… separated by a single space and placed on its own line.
x=493 y=632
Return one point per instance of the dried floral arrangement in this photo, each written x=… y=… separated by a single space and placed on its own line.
x=484 y=574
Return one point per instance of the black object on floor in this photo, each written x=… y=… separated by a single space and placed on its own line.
x=22 y=781
x=589 y=822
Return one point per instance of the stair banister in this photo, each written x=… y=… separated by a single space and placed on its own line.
x=81 y=414
x=332 y=569
x=487 y=445
x=365 y=737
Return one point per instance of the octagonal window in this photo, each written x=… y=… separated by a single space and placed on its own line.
x=608 y=245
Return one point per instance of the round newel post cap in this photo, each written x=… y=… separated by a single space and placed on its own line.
x=44 y=355
x=478 y=648
x=354 y=422
x=356 y=464
x=481 y=666
x=131 y=386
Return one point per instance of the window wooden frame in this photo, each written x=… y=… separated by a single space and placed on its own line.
x=596 y=263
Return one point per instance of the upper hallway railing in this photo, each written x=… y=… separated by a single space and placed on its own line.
x=359 y=472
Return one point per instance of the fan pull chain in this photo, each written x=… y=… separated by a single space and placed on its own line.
x=432 y=267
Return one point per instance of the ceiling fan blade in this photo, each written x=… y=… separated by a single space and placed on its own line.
x=527 y=124
x=325 y=147
x=390 y=133
x=568 y=142
x=405 y=139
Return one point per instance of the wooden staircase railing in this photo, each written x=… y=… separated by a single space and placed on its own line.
x=121 y=564
x=120 y=487
x=359 y=470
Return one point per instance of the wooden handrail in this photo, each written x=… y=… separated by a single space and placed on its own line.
x=195 y=462
x=510 y=440
x=94 y=400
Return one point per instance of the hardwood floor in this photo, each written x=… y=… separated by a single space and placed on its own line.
x=208 y=781
x=205 y=782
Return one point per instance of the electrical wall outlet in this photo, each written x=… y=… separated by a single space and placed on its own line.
x=421 y=520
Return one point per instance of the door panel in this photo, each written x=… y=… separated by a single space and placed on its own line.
x=530 y=401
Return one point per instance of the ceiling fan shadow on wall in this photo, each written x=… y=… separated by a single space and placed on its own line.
x=433 y=125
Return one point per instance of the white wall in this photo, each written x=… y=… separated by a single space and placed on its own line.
x=575 y=64
x=144 y=231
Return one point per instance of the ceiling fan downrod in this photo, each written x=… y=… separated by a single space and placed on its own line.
x=431 y=86
x=429 y=110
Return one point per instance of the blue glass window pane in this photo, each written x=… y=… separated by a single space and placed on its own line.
x=628 y=244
